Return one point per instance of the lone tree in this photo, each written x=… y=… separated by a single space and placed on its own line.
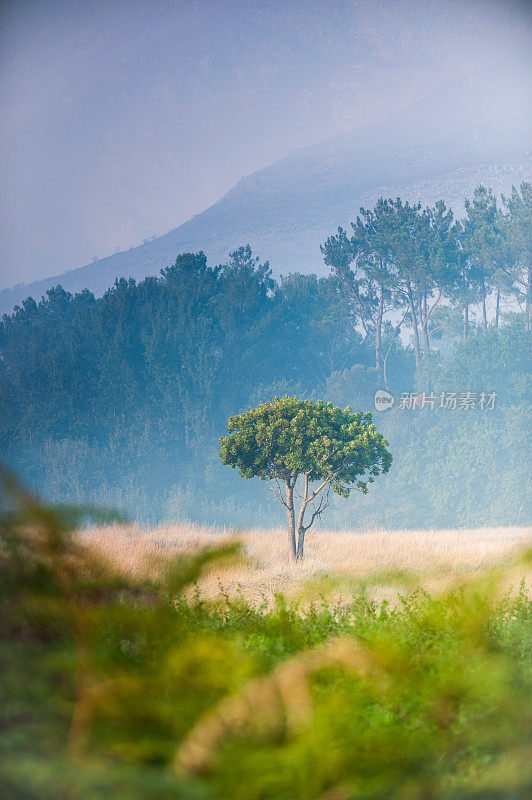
x=288 y=439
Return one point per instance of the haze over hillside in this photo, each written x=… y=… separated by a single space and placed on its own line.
x=441 y=147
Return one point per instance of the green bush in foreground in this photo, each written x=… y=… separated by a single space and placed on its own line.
x=113 y=688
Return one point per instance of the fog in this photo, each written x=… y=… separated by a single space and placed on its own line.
x=122 y=120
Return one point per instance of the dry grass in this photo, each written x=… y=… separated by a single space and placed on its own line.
x=434 y=557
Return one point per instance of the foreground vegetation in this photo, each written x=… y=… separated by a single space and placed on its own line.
x=118 y=687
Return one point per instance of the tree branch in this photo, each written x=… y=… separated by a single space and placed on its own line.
x=435 y=303
x=396 y=331
x=277 y=494
x=443 y=324
x=322 y=506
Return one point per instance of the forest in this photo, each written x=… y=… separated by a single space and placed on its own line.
x=121 y=399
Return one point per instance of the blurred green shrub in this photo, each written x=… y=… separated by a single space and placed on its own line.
x=114 y=688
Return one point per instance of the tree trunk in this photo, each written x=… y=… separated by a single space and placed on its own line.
x=484 y=315
x=497 y=307
x=424 y=325
x=385 y=359
x=384 y=373
x=300 y=523
x=425 y=376
x=414 y=324
x=528 y=310
x=426 y=345
x=291 y=519
x=300 y=543
x=378 y=331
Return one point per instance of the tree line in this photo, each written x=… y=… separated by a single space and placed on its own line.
x=122 y=398
x=147 y=373
x=404 y=262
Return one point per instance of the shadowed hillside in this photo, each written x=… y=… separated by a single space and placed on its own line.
x=441 y=147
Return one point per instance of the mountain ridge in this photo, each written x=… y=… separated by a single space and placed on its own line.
x=439 y=148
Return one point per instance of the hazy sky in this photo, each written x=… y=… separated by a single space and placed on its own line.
x=123 y=119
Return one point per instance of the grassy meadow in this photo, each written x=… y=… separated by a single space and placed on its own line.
x=389 y=560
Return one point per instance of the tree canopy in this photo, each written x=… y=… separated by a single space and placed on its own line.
x=403 y=261
x=288 y=438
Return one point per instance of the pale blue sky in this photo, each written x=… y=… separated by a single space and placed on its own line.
x=123 y=119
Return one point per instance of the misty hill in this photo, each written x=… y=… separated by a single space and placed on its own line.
x=441 y=147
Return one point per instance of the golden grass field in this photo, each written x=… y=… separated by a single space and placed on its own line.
x=334 y=560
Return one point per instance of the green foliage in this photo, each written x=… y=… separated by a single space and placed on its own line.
x=94 y=392
x=288 y=437
x=122 y=399
x=399 y=259
x=402 y=258
x=456 y=467
x=121 y=688
x=285 y=439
